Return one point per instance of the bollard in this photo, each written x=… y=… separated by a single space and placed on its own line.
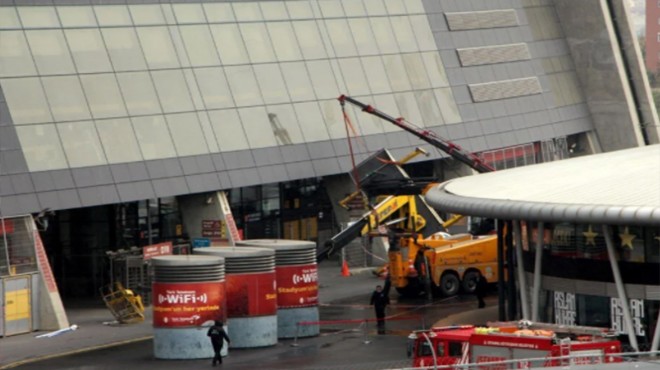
x=366 y=332
x=295 y=338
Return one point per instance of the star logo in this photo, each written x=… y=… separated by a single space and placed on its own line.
x=627 y=238
x=590 y=235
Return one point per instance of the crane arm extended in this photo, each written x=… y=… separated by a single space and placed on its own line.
x=453 y=150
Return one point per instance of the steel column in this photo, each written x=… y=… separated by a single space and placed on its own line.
x=501 y=287
x=537 y=272
x=522 y=282
x=656 y=335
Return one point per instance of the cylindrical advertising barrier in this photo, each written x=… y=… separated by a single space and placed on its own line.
x=251 y=294
x=297 y=285
x=188 y=296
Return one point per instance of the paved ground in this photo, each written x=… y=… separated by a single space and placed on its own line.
x=340 y=345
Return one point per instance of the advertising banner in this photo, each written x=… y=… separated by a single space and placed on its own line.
x=251 y=294
x=188 y=304
x=153 y=250
x=297 y=286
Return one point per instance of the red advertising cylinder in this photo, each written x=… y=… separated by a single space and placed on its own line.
x=297 y=285
x=251 y=294
x=188 y=295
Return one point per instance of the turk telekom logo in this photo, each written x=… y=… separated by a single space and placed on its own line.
x=305 y=277
x=181 y=298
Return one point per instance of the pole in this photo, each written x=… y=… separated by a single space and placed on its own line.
x=522 y=281
x=435 y=357
x=511 y=288
x=295 y=338
x=656 y=336
x=501 y=291
x=537 y=272
x=366 y=332
x=621 y=290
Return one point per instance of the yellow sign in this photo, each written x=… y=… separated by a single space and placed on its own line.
x=17 y=305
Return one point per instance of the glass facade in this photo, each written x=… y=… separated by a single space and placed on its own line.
x=168 y=76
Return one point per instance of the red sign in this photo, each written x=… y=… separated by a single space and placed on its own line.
x=251 y=294
x=297 y=286
x=188 y=304
x=213 y=228
x=6 y=226
x=160 y=249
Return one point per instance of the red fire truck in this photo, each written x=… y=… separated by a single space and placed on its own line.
x=521 y=344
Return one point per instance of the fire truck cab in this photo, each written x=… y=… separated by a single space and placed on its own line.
x=529 y=344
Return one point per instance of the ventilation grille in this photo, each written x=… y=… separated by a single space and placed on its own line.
x=493 y=54
x=486 y=19
x=505 y=89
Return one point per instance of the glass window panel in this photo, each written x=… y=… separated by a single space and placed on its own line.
x=199 y=44
x=50 y=51
x=340 y=35
x=354 y=76
x=375 y=72
x=311 y=121
x=404 y=34
x=146 y=15
x=415 y=6
x=158 y=48
x=323 y=79
x=15 y=56
x=76 y=16
x=243 y=85
x=214 y=88
x=207 y=130
x=9 y=18
x=416 y=71
x=331 y=8
x=354 y=8
x=219 y=12
x=285 y=125
x=139 y=94
x=386 y=101
x=124 y=49
x=195 y=94
x=428 y=107
x=258 y=43
x=38 y=16
x=41 y=146
x=386 y=41
x=408 y=108
x=66 y=98
x=375 y=7
x=228 y=130
x=366 y=123
x=153 y=137
x=247 y=11
x=363 y=36
x=447 y=105
x=297 y=81
x=88 y=50
x=423 y=33
x=257 y=126
x=168 y=13
x=284 y=41
x=395 y=7
x=310 y=40
x=187 y=134
x=334 y=120
x=81 y=144
x=274 y=10
x=118 y=139
x=103 y=95
x=113 y=15
x=26 y=100
x=299 y=10
x=435 y=69
x=396 y=72
x=229 y=43
x=172 y=91
x=189 y=13
x=179 y=46
x=272 y=84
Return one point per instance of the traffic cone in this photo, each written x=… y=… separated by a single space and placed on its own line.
x=344 y=269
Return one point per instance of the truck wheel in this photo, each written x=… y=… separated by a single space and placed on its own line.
x=449 y=284
x=470 y=281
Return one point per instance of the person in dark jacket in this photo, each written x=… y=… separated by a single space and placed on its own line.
x=380 y=300
x=218 y=336
x=481 y=289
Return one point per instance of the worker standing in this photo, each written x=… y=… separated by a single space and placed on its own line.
x=218 y=336
x=481 y=289
x=380 y=300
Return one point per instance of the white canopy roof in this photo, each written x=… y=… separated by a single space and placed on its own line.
x=621 y=187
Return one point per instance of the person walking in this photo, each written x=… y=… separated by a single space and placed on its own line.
x=380 y=300
x=218 y=336
x=481 y=289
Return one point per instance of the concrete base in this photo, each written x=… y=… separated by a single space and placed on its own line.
x=184 y=343
x=287 y=319
x=251 y=332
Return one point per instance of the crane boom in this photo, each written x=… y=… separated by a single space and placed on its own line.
x=453 y=150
